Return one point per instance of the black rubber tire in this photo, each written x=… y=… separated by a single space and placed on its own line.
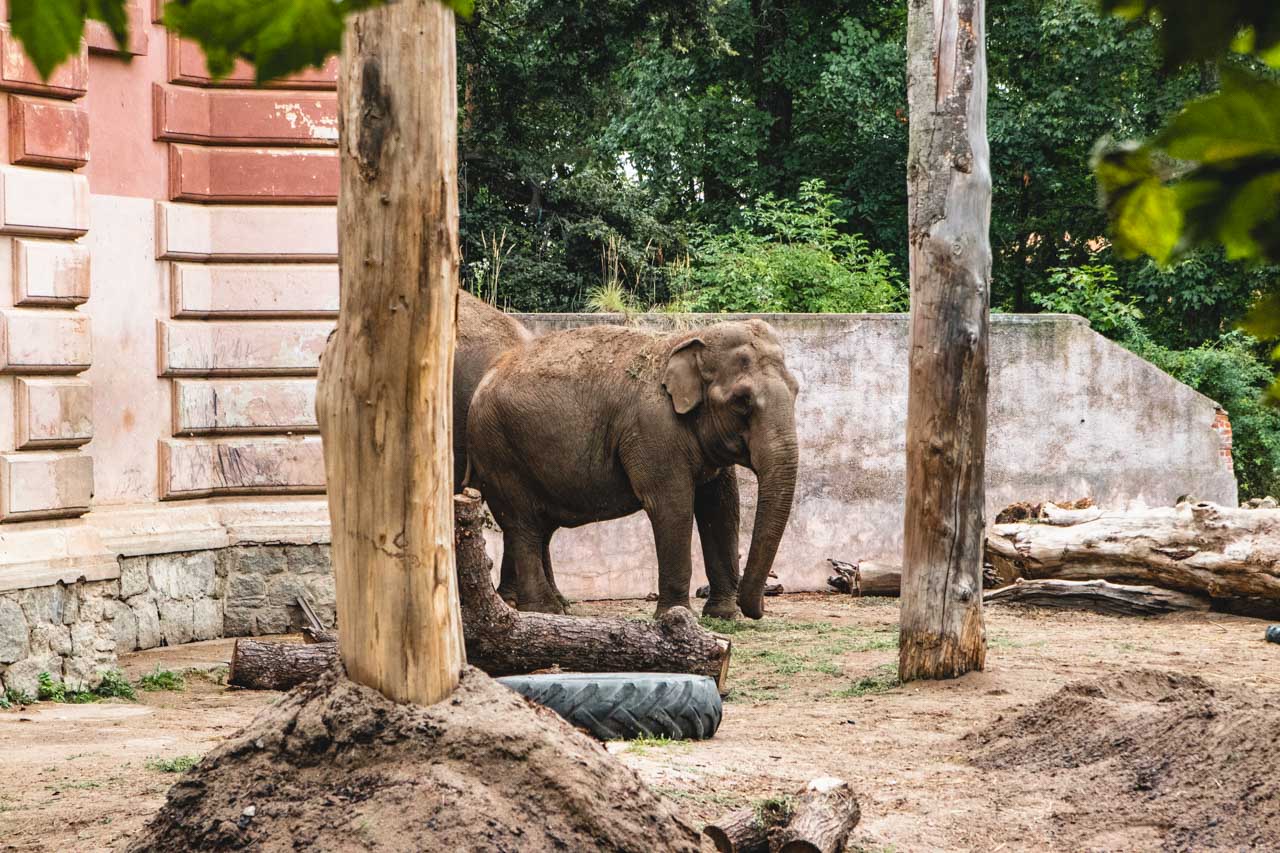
x=627 y=705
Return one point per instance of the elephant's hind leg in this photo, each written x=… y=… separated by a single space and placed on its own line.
x=533 y=592
x=549 y=573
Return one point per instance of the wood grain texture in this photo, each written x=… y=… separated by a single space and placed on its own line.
x=1099 y=596
x=949 y=211
x=1229 y=555
x=384 y=395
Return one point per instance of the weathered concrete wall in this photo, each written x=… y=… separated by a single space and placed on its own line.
x=1072 y=414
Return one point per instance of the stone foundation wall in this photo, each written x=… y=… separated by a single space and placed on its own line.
x=75 y=631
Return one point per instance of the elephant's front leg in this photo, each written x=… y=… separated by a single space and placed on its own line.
x=715 y=505
x=672 y=522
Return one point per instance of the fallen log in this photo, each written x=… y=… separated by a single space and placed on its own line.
x=822 y=819
x=1229 y=555
x=1096 y=595
x=818 y=820
x=502 y=641
x=278 y=666
x=747 y=830
x=865 y=577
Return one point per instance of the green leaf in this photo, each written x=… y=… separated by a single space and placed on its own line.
x=1195 y=30
x=113 y=14
x=278 y=37
x=1243 y=120
x=1145 y=214
x=50 y=30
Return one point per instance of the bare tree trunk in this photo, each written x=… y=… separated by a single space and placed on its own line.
x=383 y=401
x=949 y=199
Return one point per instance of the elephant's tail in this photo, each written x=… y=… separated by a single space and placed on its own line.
x=466 y=475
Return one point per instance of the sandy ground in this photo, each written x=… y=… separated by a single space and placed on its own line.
x=813 y=694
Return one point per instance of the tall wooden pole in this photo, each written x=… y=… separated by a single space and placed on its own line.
x=949 y=210
x=386 y=377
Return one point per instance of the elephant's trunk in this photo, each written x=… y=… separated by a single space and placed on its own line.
x=774 y=460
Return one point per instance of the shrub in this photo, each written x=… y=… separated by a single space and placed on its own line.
x=788 y=256
x=162 y=679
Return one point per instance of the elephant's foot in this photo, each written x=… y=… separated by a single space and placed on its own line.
x=508 y=595
x=721 y=609
x=664 y=606
x=548 y=604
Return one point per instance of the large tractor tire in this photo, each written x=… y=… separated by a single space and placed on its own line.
x=627 y=705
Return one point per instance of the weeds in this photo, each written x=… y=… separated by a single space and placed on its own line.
x=115 y=686
x=884 y=679
x=13 y=696
x=180 y=764
x=162 y=679
x=642 y=745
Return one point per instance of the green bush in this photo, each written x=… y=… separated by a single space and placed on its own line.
x=162 y=679
x=788 y=255
x=115 y=685
x=1229 y=370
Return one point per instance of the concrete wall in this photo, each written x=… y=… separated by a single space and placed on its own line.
x=1071 y=414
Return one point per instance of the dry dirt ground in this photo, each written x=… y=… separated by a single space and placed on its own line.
x=985 y=762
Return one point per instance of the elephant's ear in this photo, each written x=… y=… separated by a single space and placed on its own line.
x=683 y=378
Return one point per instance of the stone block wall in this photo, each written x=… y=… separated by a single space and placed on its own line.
x=75 y=631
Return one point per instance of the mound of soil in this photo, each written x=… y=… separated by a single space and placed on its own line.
x=1194 y=765
x=335 y=765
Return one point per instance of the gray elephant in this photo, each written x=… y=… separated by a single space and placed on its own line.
x=484 y=333
x=596 y=423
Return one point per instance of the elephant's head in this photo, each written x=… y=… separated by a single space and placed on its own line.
x=731 y=382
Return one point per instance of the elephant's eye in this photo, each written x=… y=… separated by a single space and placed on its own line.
x=740 y=401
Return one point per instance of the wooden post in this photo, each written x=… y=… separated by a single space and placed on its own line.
x=949 y=210
x=383 y=400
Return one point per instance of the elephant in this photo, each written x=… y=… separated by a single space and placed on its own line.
x=484 y=333
x=600 y=422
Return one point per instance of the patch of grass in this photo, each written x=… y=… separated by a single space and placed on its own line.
x=642 y=745
x=884 y=679
x=162 y=679
x=179 y=764
x=767 y=625
x=216 y=675
x=81 y=785
x=719 y=799
x=115 y=686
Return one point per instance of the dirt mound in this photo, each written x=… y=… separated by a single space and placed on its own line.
x=1162 y=751
x=335 y=765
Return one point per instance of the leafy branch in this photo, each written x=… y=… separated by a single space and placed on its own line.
x=278 y=37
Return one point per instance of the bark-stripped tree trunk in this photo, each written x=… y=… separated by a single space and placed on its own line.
x=1229 y=555
x=383 y=401
x=949 y=209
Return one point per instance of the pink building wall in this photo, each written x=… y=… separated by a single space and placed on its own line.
x=167 y=281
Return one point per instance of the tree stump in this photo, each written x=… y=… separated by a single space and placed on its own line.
x=822 y=820
x=278 y=666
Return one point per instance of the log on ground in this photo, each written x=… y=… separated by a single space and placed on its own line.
x=502 y=641
x=822 y=819
x=747 y=830
x=260 y=665
x=1097 y=595
x=1229 y=555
